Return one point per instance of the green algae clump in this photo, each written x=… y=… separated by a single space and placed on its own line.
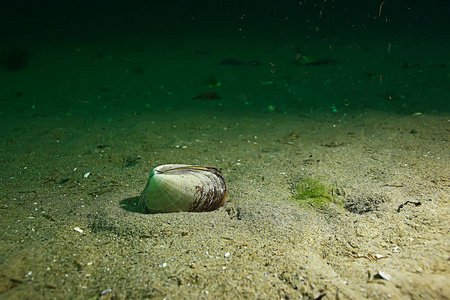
x=313 y=192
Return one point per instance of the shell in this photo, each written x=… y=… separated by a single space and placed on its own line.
x=175 y=188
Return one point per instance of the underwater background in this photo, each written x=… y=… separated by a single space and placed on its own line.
x=328 y=120
x=297 y=57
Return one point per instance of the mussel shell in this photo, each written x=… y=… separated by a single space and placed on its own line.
x=175 y=188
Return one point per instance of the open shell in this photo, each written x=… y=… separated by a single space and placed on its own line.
x=175 y=188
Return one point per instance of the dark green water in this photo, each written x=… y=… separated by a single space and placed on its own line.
x=289 y=57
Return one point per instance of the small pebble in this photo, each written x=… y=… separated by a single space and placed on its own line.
x=104 y=292
x=382 y=275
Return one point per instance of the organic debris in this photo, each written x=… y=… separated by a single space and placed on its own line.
x=410 y=202
x=207 y=96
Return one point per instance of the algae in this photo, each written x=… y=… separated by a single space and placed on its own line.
x=315 y=193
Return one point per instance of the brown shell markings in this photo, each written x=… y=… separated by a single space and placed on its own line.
x=177 y=187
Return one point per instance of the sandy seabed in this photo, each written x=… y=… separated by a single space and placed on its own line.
x=88 y=123
x=70 y=229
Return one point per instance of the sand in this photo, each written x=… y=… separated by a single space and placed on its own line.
x=75 y=158
x=261 y=243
